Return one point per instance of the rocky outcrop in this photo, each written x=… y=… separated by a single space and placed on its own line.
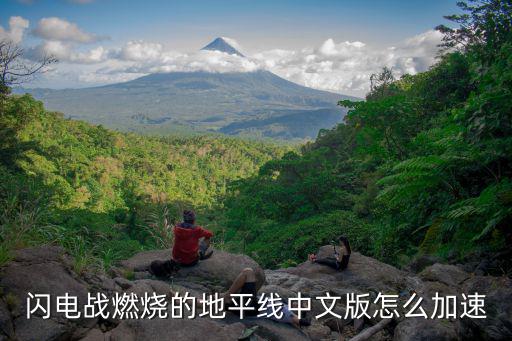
x=450 y=275
x=271 y=330
x=364 y=273
x=176 y=329
x=214 y=274
x=416 y=329
x=49 y=270
x=498 y=307
x=43 y=270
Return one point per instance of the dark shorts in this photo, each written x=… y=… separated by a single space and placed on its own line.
x=250 y=288
x=333 y=263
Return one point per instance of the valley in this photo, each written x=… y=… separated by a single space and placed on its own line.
x=255 y=104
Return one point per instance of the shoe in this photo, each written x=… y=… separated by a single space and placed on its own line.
x=305 y=321
x=174 y=267
x=203 y=256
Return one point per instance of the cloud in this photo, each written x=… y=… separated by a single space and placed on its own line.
x=139 y=51
x=330 y=48
x=105 y=78
x=345 y=67
x=152 y=57
x=65 y=52
x=58 y=29
x=62 y=39
x=210 y=61
x=342 y=67
x=17 y=27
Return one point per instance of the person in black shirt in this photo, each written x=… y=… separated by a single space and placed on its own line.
x=245 y=283
x=340 y=260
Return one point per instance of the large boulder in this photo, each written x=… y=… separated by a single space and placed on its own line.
x=426 y=290
x=142 y=286
x=448 y=274
x=214 y=273
x=420 y=262
x=363 y=273
x=41 y=270
x=96 y=335
x=272 y=330
x=49 y=270
x=6 y=325
x=268 y=329
x=142 y=260
x=498 y=307
x=176 y=329
x=419 y=329
x=289 y=285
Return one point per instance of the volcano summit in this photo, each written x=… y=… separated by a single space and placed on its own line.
x=257 y=103
x=221 y=44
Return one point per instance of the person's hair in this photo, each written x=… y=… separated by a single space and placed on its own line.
x=189 y=216
x=345 y=242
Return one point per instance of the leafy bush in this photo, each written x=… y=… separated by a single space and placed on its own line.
x=424 y=163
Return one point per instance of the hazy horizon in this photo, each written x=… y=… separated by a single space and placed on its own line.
x=327 y=45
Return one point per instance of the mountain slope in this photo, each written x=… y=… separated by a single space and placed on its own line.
x=233 y=103
x=200 y=101
x=220 y=44
x=286 y=124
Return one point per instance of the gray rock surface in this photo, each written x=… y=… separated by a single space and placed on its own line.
x=220 y=270
x=363 y=272
x=448 y=274
x=42 y=270
x=269 y=329
x=418 y=329
x=498 y=308
x=96 y=335
x=420 y=262
x=49 y=270
x=199 y=329
x=6 y=325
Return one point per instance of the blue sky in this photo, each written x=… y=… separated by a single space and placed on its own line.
x=258 y=26
x=276 y=23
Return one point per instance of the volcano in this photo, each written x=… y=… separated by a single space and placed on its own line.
x=256 y=104
x=221 y=44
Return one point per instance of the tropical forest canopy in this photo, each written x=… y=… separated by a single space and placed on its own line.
x=105 y=195
x=422 y=166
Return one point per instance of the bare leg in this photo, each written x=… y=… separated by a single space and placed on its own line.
x=295 y=321
x=204 y=244
x=207 y=242
x=329 y=261
x=247 y=275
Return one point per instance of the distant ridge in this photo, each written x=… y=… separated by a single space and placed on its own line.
x=220 y=44
x=257 y=103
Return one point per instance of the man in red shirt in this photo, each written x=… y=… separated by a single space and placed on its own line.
x=190 y=241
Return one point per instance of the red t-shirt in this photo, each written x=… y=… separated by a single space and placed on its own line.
x=186 y=243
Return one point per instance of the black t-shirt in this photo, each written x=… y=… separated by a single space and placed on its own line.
x=342 y=265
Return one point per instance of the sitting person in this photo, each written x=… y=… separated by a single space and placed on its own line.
x=245 y=283
x=336 y=262
x=191 y=241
